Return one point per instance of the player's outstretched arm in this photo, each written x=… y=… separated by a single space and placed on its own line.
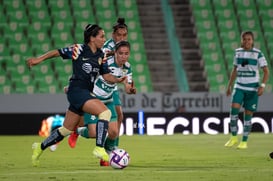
x=36 y=60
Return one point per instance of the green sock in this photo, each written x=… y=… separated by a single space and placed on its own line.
x=233 y=121
x=83 y=131
x=109 y=144
x=247 y=126
x=117 y=141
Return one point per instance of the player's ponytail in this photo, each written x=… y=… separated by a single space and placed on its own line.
x=120 y=24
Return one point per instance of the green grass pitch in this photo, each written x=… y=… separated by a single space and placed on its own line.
x=179 y=157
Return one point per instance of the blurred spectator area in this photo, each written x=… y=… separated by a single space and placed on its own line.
x=208 y=32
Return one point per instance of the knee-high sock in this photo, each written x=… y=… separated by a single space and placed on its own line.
x=101 y=132
x=56 y=136
x=53 y=138
x=233 y=121
x=247 y=126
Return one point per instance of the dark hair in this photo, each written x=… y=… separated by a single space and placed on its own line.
x=118 y=45
x=120 y=24
x=122 y=44
x=247 y=33
x=91 y=30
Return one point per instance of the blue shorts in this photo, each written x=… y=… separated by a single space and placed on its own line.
x=77 y=97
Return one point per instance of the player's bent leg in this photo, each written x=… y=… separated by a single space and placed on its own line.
x=96 y=107
x=101 y=133
x=56 y=136
x=111 y=138
x=73 y=137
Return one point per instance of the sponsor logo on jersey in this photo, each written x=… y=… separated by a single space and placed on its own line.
x=87 y=67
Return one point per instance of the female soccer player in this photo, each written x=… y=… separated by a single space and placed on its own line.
x=120 y=33
x=87 y=63
x=119 y=66
x=247 y=62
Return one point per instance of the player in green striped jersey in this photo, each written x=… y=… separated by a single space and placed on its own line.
x=247 y=87
x=120 y=33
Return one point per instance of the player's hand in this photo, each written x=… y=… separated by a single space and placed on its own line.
x=109 y=53
x=32 y=61
x=228 y=92
x=260 y=91
x=66 y=89
x=133 y=88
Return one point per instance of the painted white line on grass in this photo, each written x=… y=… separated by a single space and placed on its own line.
x=91 y=171
x=116 y=171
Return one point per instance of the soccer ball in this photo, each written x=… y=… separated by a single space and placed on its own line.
x=119 y=159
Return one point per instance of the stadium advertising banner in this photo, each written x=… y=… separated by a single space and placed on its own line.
x=156 y=102
x=190 y=123
x=144 y=123
x=185 y=102
x=173 y=102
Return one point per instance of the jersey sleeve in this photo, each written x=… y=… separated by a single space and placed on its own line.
x=71 y=52
x=236 y=55
x=262 y=61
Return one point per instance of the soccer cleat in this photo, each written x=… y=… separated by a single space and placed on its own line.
x=72 y=140
x=242 y=145
x=100 y=152
x=232 y=141
x=37 y=151
x=104 y=163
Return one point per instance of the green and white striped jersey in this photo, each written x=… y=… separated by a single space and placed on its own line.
x=248 y=63
x=104 y=90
